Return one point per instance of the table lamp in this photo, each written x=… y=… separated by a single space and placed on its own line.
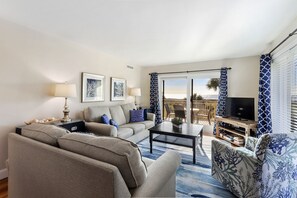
x=65 y=90
x=135 y=92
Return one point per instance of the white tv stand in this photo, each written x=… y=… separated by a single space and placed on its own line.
x=234 y=135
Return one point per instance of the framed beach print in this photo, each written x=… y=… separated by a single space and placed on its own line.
x=92 y=87
x=118 y=89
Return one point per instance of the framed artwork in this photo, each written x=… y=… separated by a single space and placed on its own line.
x=118 y=89
x=92 y=87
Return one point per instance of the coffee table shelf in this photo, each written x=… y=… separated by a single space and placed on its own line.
x=179 y=141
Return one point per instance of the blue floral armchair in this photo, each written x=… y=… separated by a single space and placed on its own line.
x=265 y=167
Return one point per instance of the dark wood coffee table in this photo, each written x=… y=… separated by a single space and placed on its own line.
x=187 y=136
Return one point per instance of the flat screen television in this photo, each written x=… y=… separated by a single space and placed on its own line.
x=240 y=108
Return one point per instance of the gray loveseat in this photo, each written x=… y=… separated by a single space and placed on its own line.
x=47 y=161
x=134 y=132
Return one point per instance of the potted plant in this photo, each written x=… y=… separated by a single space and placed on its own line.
x=177 y=122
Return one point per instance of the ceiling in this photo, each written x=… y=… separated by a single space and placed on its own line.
x=158 y=32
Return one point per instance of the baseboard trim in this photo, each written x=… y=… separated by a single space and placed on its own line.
x=3 y=173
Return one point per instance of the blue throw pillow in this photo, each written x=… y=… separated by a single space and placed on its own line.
x=114 y=123
x=145 y=114
x=104 y=119
x=136 y=115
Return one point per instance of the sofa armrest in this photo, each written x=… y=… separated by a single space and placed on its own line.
x=228 y=153
x=161 y=178
x=234 y=167
x=101 y=129
x=151 y=116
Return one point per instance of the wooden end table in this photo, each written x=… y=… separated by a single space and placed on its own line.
x=72 y=126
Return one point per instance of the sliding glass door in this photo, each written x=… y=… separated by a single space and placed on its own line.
x=204 y=99
x=174 y=98
x=192 y=97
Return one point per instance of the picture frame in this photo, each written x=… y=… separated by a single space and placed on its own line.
x=93 y=86
x=118 y=89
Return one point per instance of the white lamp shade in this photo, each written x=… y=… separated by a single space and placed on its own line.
x=65 y=90
x=135 y=92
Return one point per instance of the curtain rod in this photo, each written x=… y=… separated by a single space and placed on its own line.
x=203 y=70
x=291 y=34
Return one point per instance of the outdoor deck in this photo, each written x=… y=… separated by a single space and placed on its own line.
x=203 y=110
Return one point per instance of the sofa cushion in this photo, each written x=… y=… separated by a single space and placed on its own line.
x=137 y=115
x=136 y=127
x=93 y=114
x=148 y=124
x=45 y=133
x=118 y=114
x=123 y=154
x=126 y=109
x=125 y=133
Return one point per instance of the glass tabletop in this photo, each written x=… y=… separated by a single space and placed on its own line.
x=187 y=129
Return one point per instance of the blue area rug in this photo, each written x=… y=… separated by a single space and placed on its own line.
x=193 y=180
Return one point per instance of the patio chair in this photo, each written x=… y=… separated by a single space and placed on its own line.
x=179 y=111
x=168 y=112
x=203 y=114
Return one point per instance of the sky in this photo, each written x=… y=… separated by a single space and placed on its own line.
x=177 y=88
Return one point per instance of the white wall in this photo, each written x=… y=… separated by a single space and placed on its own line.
x=281 y=37
x=243 y=78
x=32 y=62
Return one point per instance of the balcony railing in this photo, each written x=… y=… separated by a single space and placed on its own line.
x=203 y=110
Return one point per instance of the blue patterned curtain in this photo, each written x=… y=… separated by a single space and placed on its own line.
x=223 y=93
x=154 y=98
x=264 y=104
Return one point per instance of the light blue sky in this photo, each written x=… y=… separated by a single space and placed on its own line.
x=177 y=88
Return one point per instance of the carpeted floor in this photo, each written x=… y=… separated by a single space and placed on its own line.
x=193 y=180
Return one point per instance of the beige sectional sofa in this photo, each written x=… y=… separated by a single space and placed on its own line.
x=134 y=132
x=46 y=161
